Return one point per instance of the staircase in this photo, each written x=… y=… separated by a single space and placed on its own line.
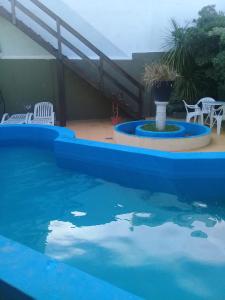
x=101 y=73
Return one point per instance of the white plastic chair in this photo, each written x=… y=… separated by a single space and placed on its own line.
x=206 y=107
x=217 y=116
x=43 y=114
x=15 y=119
x=193 y=111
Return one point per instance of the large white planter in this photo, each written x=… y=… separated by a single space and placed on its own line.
x=160 y=114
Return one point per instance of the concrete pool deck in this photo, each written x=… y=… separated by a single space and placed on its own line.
x=102 y=130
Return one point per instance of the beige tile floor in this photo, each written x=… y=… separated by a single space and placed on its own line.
x=102 y=130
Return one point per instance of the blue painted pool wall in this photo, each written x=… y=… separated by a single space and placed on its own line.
x=8 y=292
x=130 y=166
x=37 y=276
x=193 y=174
x=38 y=136
x=199 y=175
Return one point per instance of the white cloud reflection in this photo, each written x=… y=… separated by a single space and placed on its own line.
x=138 y=245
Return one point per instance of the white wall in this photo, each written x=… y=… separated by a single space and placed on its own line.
x=138 y=25
x=14 y=44
x=118 y=27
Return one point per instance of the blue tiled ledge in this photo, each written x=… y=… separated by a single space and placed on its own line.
x=40 y=277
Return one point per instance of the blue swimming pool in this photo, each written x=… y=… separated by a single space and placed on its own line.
x=141 y=232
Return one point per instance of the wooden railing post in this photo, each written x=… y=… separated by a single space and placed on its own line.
x=61 y=92
x=141 y=103
x=13 y=11
x=60 y=76
x=59 y=38
x=101 y=73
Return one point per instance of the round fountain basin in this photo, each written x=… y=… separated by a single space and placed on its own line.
x=189 y=136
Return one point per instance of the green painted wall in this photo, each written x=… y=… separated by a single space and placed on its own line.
x=83 y=101
x=28 y=75
x=134 y=67
x=25 y=82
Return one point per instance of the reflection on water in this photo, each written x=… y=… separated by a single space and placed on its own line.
x=156 y=245
x=126 y=240
x=157 y=236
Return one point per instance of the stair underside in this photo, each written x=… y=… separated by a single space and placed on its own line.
x=71 y=64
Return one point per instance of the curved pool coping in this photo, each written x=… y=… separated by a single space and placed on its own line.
x=26 y=270
x=200 y=138
x=50 y=136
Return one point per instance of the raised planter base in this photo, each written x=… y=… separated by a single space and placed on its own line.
x=189 y=137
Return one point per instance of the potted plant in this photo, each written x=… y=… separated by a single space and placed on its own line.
x=160 y=78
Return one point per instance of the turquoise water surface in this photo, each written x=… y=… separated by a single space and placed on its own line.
x=155 y=245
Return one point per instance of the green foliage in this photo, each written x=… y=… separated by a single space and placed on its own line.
x=155 y=73
x=197 y=53
x=152 y=127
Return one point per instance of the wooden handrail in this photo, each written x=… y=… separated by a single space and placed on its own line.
x=54 y=33
x=13 y=11
x=120 y=85
x=61 y=40
x=101 y=54
x=86 y=42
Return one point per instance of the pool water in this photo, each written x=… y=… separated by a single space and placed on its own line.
x=155 y=245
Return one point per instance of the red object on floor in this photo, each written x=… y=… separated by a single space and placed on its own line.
x=116 y=119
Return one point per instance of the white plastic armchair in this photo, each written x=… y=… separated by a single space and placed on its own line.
x=43 y=114
x=193 y=111
x=206 y=107
x=217 y=116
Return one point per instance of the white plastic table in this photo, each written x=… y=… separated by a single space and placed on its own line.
x=213 y=104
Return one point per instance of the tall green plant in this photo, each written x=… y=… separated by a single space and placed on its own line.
x=197 y=53
x=180 y=58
